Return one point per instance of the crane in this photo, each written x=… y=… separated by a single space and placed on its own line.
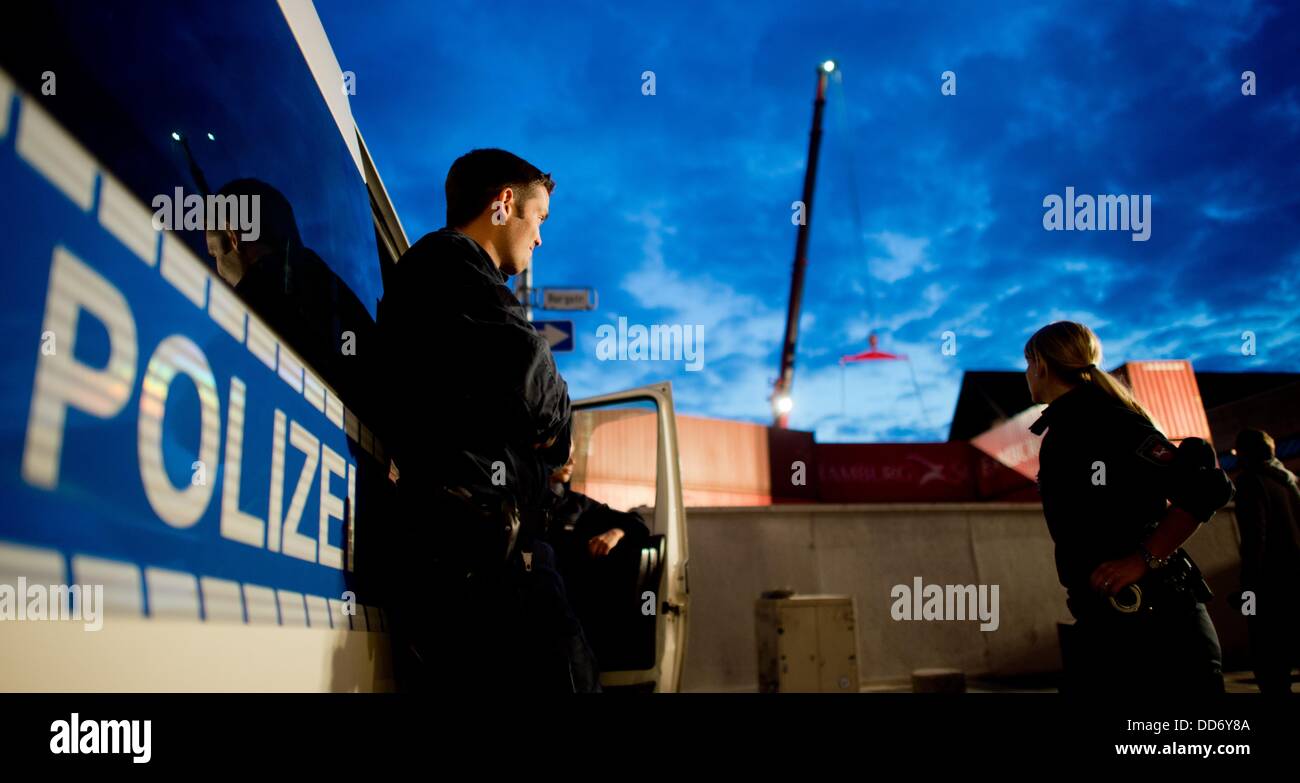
x=782 y=402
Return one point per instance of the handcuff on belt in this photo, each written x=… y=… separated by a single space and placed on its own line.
x=1155 y=564
x=1128 y=608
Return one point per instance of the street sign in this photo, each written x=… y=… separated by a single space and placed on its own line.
x=558 y=334
x=568 y=299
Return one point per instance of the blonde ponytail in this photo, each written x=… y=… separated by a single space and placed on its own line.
x=1072 y=352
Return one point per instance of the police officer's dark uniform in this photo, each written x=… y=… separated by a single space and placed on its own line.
x=599 y=588
x=1105 y=474
x=474 y=390
x=575 y=519
x=1268 y=516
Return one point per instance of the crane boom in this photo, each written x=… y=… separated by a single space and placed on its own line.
x=781 y=400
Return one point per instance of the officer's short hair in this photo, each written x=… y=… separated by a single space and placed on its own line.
x=1255 y=446
x=477 y=176
x=277 y=225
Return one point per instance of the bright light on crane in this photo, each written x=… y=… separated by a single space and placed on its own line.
x=784 y=404
x=828 y=66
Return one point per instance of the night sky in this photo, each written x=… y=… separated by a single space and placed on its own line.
x=929 y=209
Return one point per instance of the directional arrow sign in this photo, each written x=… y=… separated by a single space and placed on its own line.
x=568 y=299
x=558 y=334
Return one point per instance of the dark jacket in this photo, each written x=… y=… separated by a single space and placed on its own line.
x=575 y=516
x=1268 y=516
x=1105 y=474
x=471 y=387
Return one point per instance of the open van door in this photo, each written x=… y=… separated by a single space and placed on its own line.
x=625 y=455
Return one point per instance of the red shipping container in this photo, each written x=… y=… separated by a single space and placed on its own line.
x=997 y=482
x=1168 y=390
x=793 y=457
x=896 y=472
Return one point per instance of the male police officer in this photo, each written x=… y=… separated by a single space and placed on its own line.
x=478 y=417
x=1268 y=514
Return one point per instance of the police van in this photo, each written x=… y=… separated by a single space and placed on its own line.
x=189 y=485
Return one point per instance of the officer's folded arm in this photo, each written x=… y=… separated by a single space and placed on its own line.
x=1197 y=488
x=1174 y=530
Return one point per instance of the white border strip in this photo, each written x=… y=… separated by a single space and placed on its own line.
x=316 y=50
x=56 y=154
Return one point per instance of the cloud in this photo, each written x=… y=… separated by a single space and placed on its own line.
x=929 y=207
x=903 y=256
x=735 y=323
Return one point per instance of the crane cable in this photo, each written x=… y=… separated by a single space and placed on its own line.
x=837 y=83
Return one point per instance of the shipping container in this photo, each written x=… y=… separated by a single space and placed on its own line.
x=724 y=463
x=1168 y=390
x=896 y=472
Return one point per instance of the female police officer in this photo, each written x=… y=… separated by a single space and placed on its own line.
x=1120 y=500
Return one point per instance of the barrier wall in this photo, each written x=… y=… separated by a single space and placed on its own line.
x=865 y=550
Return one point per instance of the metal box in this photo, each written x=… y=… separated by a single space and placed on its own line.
x=807 y=644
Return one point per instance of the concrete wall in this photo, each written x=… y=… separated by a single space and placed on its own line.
x=864 y=550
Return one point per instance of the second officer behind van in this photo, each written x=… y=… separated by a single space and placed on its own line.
x=1120 y=500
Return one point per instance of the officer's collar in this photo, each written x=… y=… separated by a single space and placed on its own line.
x=1062 y=406
x=481 y=260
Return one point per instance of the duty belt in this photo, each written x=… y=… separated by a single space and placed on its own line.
x=482 y=530
x=1179 y=580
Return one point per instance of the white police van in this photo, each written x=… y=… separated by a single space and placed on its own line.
x=186 y=494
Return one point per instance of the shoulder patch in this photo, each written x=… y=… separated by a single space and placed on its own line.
x=1156 y=448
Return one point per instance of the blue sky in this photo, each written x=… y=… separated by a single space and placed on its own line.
x=928 y=214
